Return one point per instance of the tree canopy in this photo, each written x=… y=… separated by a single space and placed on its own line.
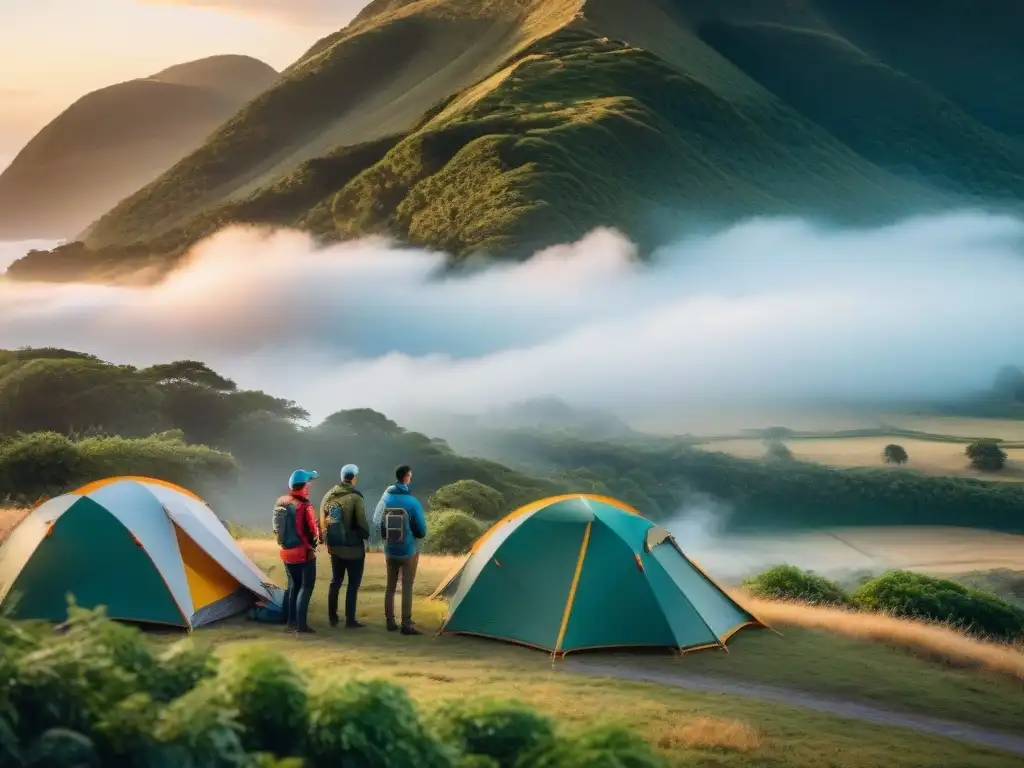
x=895 y=454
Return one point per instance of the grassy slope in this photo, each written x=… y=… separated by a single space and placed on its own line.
x=563 y=116
x=888 y=117
x=445 y=668
x=112 y=141
x=970 y=52
x=376 y=77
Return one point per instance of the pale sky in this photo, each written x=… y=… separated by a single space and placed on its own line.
x=53 y=51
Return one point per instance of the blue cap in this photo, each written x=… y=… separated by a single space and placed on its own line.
x=349 y=470
x=301 y=477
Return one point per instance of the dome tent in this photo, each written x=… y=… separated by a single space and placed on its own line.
x=147 y=550
x=582 y=572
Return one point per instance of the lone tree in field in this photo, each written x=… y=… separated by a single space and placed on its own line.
x=986 y=455
x=895 y=454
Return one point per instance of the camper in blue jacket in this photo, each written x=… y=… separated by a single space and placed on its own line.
x=400 y=520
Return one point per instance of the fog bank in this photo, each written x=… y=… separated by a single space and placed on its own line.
x=765 y=309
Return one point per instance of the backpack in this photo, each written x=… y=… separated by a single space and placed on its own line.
x=393 y=524
x=337 y=533
x=285 y=525
x=267 y=613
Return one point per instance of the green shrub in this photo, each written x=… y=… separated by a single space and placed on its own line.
x=914 y=595
x=269 y=694
x=37 y=465
x=46 y=464
x=10 y=751
x=86 y=695
x=506 y=732
x=179 y=669
x=167 y=459
x=204 y=725
x=476 y=761
x=369 y=724
x=787 y=582
x=473 y=497
x=61 y=748
x=70 y=681
x=607 y=747
x=124 y=733
x=451 y=532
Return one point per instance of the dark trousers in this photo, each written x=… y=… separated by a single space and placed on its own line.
x=339 y=567
x=406 y=568
x=301 y=579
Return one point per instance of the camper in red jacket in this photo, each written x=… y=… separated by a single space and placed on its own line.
x=297 y=534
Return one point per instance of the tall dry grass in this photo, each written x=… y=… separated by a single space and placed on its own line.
x=932 y=641
x=708 y=733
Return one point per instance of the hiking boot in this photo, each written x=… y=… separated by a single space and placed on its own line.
x=392 y=626
x=333 y=622
x=354 y=624
x=290 y=628
x=305 y=631
x=410 y=630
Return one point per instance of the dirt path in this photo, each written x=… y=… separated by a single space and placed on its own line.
x=920 y=723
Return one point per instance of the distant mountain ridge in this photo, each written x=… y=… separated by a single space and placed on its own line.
x=116 y=139
x=503 y=126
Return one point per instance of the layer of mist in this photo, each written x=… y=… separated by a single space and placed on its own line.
x=768 y=309
x=700 y=528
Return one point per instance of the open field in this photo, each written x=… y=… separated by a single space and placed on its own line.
x=934 y=550
x=1010 y=430
x=717 y=729
x=932 y=457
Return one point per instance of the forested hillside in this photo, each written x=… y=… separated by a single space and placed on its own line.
x=68 y=418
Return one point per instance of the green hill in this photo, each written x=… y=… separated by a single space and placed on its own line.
x=114 y=140
x=561 y=116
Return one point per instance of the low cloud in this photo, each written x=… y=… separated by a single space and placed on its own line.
x=304 y=12
x=765 y=309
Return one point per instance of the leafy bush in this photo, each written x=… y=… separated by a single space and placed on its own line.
x=986 y=455
x=506 y=732
x=914 y=595
x=125 y=731
x=46 y=464
x=69 y=682
x=203 y=725
x=179 y=669
x=269 y=694
x=598 y=748
x=787 y=582
x=61 y=748
x=473 y=497
x=370 y=724
x=895 y=454
x=37 y=465
x=10 y=753
x=451 y=532
x=84 y=696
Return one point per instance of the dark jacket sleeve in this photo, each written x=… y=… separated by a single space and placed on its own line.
x=359 y=517
x=312 y=529
x=417 y=520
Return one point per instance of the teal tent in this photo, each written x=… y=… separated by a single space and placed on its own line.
x=580 y=572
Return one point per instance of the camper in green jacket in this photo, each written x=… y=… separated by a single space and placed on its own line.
x=344 y=530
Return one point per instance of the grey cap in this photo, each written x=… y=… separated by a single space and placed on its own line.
x=348 y=471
